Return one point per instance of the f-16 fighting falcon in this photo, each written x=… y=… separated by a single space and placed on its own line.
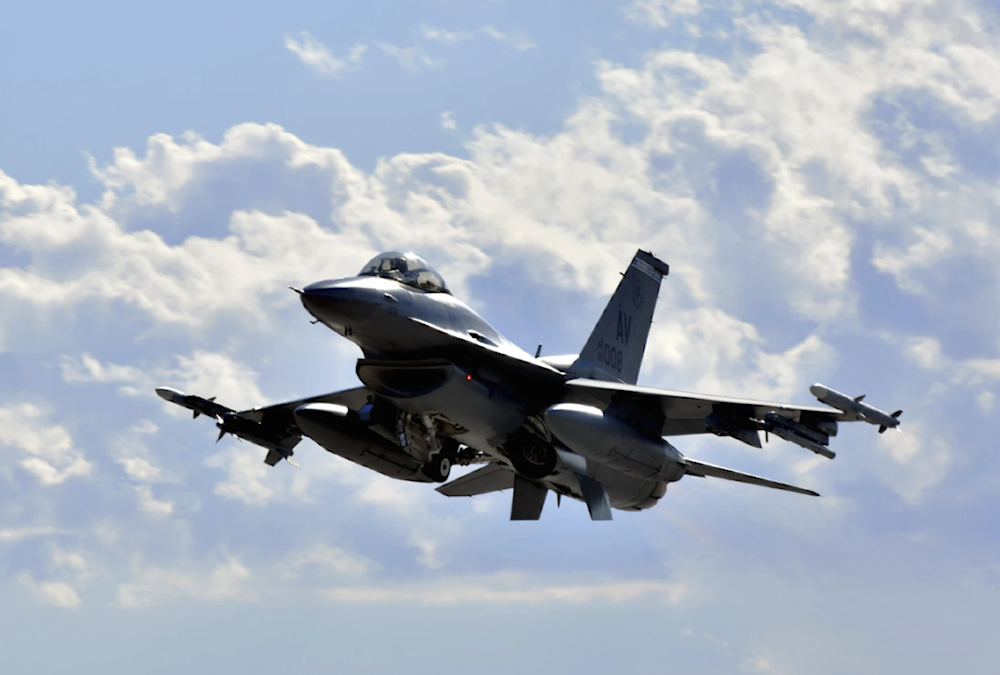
x=443 y=387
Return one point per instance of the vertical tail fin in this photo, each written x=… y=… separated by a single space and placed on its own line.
x=614 y=350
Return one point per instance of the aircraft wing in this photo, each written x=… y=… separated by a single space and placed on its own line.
x=490 y=478
x=680 y=412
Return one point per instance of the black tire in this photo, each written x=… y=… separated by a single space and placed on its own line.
x=533 y=460
x=439 y=467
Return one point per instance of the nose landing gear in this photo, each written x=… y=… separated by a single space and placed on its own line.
x=438 y=467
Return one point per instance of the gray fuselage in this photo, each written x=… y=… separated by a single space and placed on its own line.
x=507 y=390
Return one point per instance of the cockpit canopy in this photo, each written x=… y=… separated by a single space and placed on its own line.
x=406 y=268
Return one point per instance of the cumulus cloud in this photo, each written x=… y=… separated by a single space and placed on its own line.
x=317 y=57
x=88 y=369
x=43 y=450
x=660 y=13
x=202 y=372
x=149 y=504
x=905 y=266
x=54 y=593
x=919 y=461
x=246 y=475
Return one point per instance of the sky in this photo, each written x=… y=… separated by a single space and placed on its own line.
x=823 y=179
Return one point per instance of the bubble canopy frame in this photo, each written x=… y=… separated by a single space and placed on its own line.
x=406 y=268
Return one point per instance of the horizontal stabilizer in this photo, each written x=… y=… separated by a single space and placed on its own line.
x=701 y=469
x=490 y=478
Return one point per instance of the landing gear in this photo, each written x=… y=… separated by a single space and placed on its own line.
x=438 y=467
x=531 y=456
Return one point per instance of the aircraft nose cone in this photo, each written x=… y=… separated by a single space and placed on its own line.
x=337 y=303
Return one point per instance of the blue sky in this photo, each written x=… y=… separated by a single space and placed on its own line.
x=821 y=177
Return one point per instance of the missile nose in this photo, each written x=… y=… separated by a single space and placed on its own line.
x=169 y=394
x=818 y=390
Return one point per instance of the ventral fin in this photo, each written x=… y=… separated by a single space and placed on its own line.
x=596 y=496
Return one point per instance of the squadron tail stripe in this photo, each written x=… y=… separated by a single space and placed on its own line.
x=646 y=269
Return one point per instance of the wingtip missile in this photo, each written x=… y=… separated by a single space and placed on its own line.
x=196 y=404
x=169 y=394
x=856 y=406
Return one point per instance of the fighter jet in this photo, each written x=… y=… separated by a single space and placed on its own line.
x=442 y=387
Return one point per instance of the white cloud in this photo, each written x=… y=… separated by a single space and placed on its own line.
x=208 y=374
x=214 y=374
x=905 y=266
x=149 y=504
x=248 y=479
x=88 y=369
x=54 y=593
x=411 y=58
x=227 y=581
x=447 y=121
x=44 y=450
x=15 y=534
x=327 y=559
x=129 y=450
x=710 y=351
x=73 y=562
x=660 y=13
x=318 y=58
x=406 y=508
x=510 y=589
x=986 y=400
x=926 y=352
x=919 y=461
x=518 y=40
x=443 y=36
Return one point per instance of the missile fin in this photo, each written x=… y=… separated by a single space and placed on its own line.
x=195 y=415
x=859 y=399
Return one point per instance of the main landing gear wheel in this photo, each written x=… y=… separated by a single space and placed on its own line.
x=439 y=467
x=533 y=459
